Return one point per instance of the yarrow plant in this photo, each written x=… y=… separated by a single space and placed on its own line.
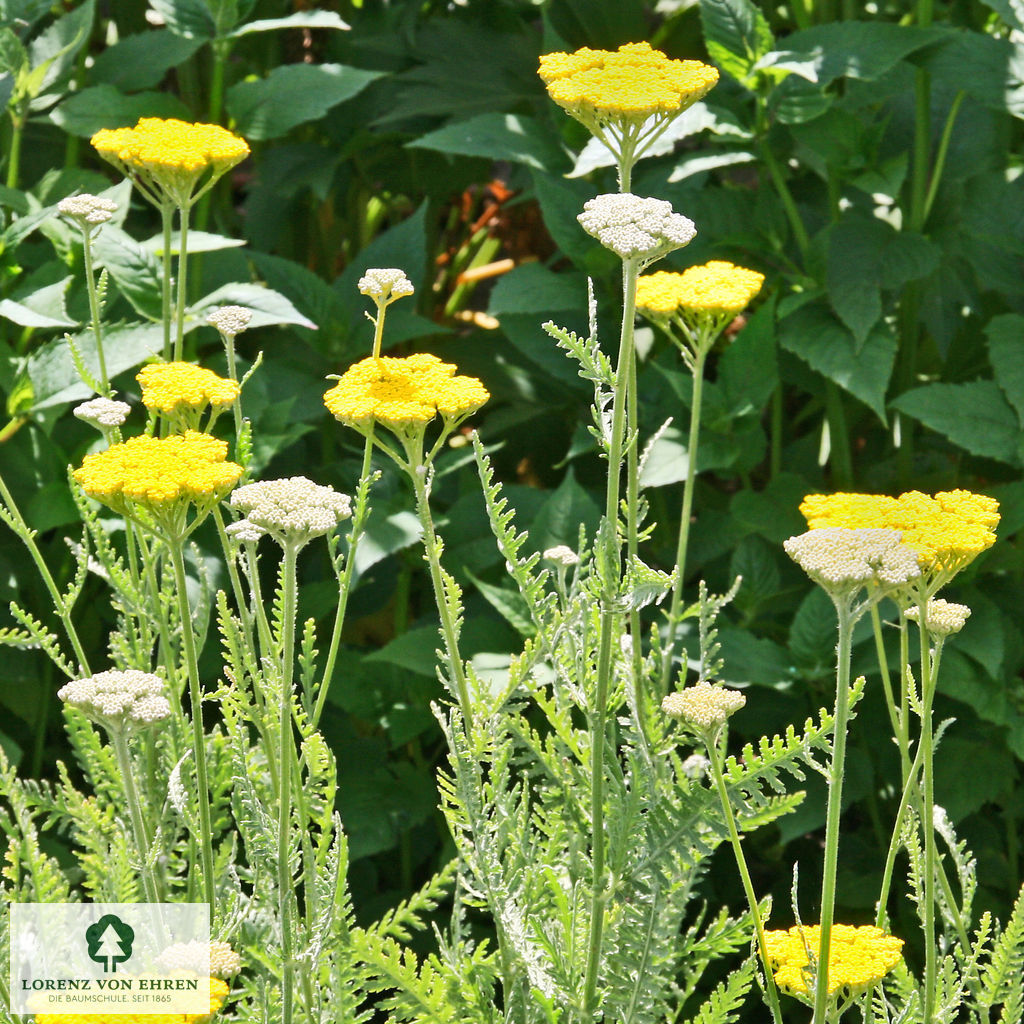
x=587 y=786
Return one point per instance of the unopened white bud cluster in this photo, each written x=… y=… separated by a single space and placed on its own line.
x=103 y=412
x=230 y=320
x=385 y=284
x=695 y=766
x=293 y=510
x=703 y=705
x=941 y=617
x=634 y=226
x=87 y=209
x=561 y=555
x=841 y=560
x=116 y=699
x=212 y=959
x=245 y=531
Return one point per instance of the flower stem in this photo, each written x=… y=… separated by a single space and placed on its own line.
x=167 y=223
x=183 y=215
x=714 y=755
x=835 y=802
x=94 y=307
x=675 y=605
x=927 y=808
x=198 y=732
x=287 y=744
x=419 y=474
x=142 y=840
x=14 y=153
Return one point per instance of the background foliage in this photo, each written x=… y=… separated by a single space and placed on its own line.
x=865 y=157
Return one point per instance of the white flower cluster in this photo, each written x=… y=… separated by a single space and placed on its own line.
x=703 y=705
x=87 y=209
x=941 y=617
x=841 y=560
x=561 y=555
x=230 y=320
x=634 y=226
x=115 y=699
x=212 y=959
x=385 y=284
x=293 y=510
x=245 y=531
x=103 y=412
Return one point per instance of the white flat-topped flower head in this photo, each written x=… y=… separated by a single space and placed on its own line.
x=703 y=705
x=103 y=412
x=212 y=959
x=385 y=284
x=843 y=560
x=293 y=510
x=636 y=227
x=941 y=617
x=119 y=700
x=230 y=320
x=87 y=209
x=245 y=531
x=561 y=555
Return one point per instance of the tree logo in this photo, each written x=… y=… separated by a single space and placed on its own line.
x=110 y=942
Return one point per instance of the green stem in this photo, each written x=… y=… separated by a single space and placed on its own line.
x=928 y=803
x=287 y=744
x=167 y=224
x=883 y=668
x=788 y=203
x=941 y=153
x=94 y=307
x=221 y=51
x=198 y=732
x=598 y=898
x=27 y=536
x=922 y=149
x=675 y=605
x=183 y=215
x=345 y=582
x=632 y=545
x=835 y=802
x=14 y=153
x=714 y=755
x=229 y=351
x=142 y=840
x=418 y=473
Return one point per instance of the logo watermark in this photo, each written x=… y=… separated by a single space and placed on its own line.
x=109 y=958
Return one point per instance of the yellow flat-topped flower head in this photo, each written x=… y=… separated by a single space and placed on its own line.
x=170 y=156
x=218 y=995
x=716 y=291
x=403 y=394
x=858 y=958
x=160 y=476
x=630 y=84
x=183 y=391
x=947 y=531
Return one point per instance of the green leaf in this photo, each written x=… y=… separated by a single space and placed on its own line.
x=817 y=337
x=292 y=95
x=508 y=603
x=43 y=308
x=13 y=55
x=812 y=634
x=56 y=48
x=774 y=512
x=386 y=535
x=561 y=201
x=189 y=18
x=414 y=651
x=975 y=416
x=301 y=19
x=512 y=137
x=1005 y=338
x=23 y=13
x=604 y=23
x=736 y=34
x=748 y=369
x=988 y=69
x=560 y=517
x=198 y=241
x=1011 y=11
x=268 y=307
x=141 y=61
x=102 y=106
x=134 y=269
x=756 y=561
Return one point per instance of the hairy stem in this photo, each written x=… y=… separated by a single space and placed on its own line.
x=142 y=840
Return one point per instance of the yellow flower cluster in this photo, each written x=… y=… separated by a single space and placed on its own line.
x=171 y=154
x=627 y=85
x=403 y=393
x=717 y=290
x=160 y=473
x=174 y=387
x=947 y=531
x=218 y=994
x=857 y=959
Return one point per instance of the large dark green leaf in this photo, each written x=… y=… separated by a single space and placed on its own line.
x=189 y=18
x=827 y=346
x=736 y=34
x=135 y=270
x=292 y=95
x=141 y=61
x=1011 y=11
x=102 y=106
x=974 y=415
x=1005 y=351
x=989 y=69
x=604 y=23
x=561 y=516
x=300 y=19
x=748 y=370
x=58 y=46
x=512 y=137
